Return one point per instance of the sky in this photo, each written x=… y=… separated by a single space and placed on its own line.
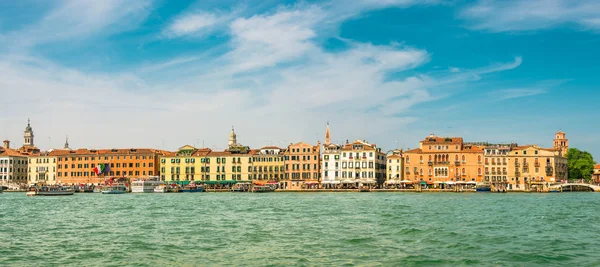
x=163 y=74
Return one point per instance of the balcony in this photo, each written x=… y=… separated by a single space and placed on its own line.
x=487 y=172
x=493 y=163
x=525 y=164
x=430 y=163
x=517 y=164
x=504 y=173
x=537 y=164
x=457 y=163
x=504 y=163
x=493 y=172
x=487 y=163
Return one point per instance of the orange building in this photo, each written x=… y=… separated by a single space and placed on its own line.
x=444 y=159
x=77 y=166
x=302 y=166
x=596 y=174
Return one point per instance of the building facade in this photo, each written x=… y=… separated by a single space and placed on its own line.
x=42 y=169
x=444 y=159
x=268 y=165
x=362 y=164
x=395 y=168
x=13 y=165
x=302 y=166
x=81 y=166
x=596 y=174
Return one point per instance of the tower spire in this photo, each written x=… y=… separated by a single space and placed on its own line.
x=327 y=135
x=67 y=143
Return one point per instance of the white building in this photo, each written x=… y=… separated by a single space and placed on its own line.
x=395 y=163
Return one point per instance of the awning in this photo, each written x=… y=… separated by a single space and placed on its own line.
x=368 y=182
x=438 y=182
x=210 y=182
x=391 y=182
x=471 y=182
x=460 y=182
x=450 y=182
x=228 y=182
x=348 y=182
x=406 y=181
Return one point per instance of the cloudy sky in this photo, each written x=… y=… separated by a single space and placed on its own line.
x=163 y=74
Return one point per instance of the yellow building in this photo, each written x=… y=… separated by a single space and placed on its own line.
x=395 y=168
x=268 y=165
x=444 y=159
x=202 y=164
x=42 y=169
x=533 y=165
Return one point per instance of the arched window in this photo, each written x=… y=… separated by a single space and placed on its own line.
x=456 y=171
x=478 y=158
x=421 y=172
x=463 y=158
x=455 y=157
x=479 y=171
x=464 y=171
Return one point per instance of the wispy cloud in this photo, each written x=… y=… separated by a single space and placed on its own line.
x=191 y=23
x=72 y=20
x=517 y=93
x=524 y=15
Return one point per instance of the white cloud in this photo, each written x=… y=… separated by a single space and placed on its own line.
x=80 y=19
x=191 y=23
x=524 y=15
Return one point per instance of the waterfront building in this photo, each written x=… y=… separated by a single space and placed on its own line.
x=496 y=168
x=203 y=164
x=596 y=174
x=395 y=168
x=13 y=165
x=444 y=159
x=93 y=166
x=362 y=164
x=302 y=166
x=330 y=162
x=42 y=168
x=268 y=165
x=513 y=167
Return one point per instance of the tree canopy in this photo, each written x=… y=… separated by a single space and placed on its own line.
x=581 y=164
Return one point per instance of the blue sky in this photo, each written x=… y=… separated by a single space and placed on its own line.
x=164 y=74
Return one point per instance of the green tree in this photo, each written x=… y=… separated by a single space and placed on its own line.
x=581 y=164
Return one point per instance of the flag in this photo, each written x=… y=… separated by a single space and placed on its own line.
x=101 y=168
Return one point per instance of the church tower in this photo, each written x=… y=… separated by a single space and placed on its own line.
x=67 y=143
x=232 y=138
x=28 y=136
x=561 y=142
x=327 y=135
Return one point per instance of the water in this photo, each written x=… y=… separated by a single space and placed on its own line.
x=300 y=229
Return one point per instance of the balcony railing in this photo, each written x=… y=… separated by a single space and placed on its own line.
x=430 y=163
x=537 y=164
x=517 y=164
x=457 y=163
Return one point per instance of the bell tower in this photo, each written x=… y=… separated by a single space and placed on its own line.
x=232 y=138
x=327 y=135
x=561 y=142
x=28 y=136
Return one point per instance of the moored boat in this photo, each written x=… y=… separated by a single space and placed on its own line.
x=114 y=189
x=160 y=189
x=145 y=185
x=50 y=191
x=483 y=187
x=192 y=188
x=262 y=189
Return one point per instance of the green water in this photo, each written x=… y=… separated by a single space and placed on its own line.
x=301 y=229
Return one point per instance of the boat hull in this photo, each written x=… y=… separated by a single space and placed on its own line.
x=58 y=193
x=113 y=192
x=192 y=190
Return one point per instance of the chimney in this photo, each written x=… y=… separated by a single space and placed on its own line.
x=6 y=144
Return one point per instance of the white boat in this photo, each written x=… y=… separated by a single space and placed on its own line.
x=50 y=191
x=145 y=185
x=160 y=189
x=114 y=189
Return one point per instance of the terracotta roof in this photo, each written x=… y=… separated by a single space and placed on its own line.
x=85 y=151
x=597 y=166
x=476 y=149
x=11 y=153
x=219 y=153
x=414 y=151
x=442 y=140
x=271 y=147
x=394 y=157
